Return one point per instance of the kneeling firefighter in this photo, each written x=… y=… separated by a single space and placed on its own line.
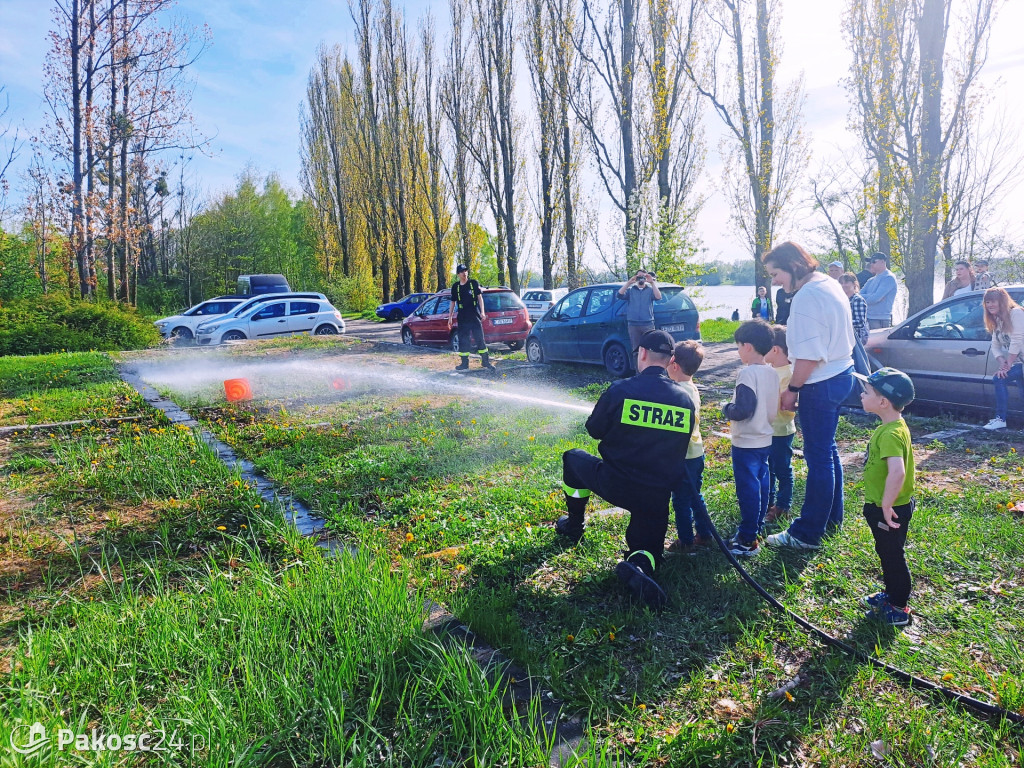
x=644 y=425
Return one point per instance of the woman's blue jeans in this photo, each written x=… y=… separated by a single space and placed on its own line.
x=1002 y=386
x=823 y=495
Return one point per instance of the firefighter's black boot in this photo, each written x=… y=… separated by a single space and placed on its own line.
x=636 y=573
x=571 y=525
x=485 y=361
x=464 y=365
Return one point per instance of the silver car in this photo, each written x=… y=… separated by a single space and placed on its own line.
x=945 y=349
x=184 y=326
x=273 y=319
x=539 y=301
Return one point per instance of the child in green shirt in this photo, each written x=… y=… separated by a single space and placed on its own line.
x=889 y=489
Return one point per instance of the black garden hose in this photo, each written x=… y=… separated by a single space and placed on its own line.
x=979 y=707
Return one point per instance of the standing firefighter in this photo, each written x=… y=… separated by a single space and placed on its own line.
x=644 y=425
x=467 y=296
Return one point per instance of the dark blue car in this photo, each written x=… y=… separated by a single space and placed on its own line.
x=399 y=310
x=589 y=326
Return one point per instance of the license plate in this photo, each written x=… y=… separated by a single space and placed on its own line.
x=503 y=321
x=674 y=328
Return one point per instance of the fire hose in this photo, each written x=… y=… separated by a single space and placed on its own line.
x=975 y=705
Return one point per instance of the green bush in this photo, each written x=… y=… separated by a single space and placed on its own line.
x=54 y=324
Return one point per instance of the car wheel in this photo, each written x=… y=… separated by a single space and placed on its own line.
x=534 y=351
x=616 y=360
x=181 y=335
x=396 y=314
x=455 y=341
x=326 y=330
x=233 y=336
x=408 y=338
x=514 y=345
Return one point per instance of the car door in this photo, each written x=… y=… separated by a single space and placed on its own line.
x=595 y=325
x=302 y=316
x=944 y=349
x=417 y=322
x=269 y=321
x=560 y=337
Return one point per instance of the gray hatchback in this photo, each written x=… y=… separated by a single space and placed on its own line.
x=589 y=326
x=945 y=350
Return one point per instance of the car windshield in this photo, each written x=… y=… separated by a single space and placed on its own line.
x=501 y=301
x=538 y=296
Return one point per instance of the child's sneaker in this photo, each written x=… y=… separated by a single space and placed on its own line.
x=876 y=600
x=679 y=547
x=743 y=549
x=889 y=614
x=786 y=539
x=996 y=423
x=701 y=543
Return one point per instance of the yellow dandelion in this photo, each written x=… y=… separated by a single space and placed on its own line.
x=947 y=677
x=221 y=528
x=611 y=637
x=532 y=437
x=460 y=568
x=570 y=638
x=383 y=479
x=472 y=421
x=244 y=526
x=789 y=696
x=642 y=707
x=409 y=537
x=730 y=728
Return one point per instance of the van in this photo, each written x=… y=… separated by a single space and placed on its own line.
x=252 y=285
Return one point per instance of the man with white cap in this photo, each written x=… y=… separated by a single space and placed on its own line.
x=644 y=425
x=835 y=269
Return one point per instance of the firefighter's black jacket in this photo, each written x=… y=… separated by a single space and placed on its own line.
x=644 y=424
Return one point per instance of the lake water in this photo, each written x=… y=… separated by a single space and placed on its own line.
x=720 y=300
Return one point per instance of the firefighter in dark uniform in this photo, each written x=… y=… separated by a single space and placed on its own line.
x=469 y=299
x=644 y=425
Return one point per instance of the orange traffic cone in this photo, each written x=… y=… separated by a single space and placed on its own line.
x=237 y=389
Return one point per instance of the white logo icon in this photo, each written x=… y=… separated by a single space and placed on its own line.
x=37 y=739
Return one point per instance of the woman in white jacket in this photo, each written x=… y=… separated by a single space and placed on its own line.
x=1004 y=319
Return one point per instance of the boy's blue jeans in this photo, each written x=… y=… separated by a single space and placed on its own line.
x=823 y=494
x=688 y=503
x=1002 y=386
x=780 y=472
x=750 y=471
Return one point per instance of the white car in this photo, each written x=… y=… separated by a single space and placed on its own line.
x=184 y=326
x=272 y=319
x=539 y=301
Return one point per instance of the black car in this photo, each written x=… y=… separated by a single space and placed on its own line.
x=589 y=326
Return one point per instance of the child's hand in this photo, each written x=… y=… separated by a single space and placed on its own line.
x=890 y=517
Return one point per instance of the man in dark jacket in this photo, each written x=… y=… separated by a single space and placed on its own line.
x=644 y=425
x=469 y=300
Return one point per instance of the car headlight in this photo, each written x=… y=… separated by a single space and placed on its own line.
x=161 y=325
x=206 y=329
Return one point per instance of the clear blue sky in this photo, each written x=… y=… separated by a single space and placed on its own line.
x=251 y=81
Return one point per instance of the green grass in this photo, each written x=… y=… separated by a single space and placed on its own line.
x=62 y=387
x=718 y=330
x=452 y=498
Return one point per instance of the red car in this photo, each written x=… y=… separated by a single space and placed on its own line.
x=507 y=322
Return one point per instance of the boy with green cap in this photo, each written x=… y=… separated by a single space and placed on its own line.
x=889 y=490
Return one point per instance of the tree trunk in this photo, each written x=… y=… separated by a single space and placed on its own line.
x=920 y=264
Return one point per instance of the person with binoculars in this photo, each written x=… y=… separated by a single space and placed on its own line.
x=639 y=292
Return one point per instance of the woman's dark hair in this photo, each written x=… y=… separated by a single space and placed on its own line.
x=792 y=258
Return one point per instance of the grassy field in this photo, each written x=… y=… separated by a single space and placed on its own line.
x=145 y=583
